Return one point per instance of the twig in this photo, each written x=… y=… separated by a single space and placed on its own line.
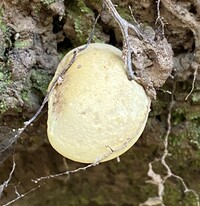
x=19 y=196
x=159 y=18
x=193 y=82
x=98 y=160
x=124 y=26
x=5 y=183
x=133 y=15
x=165 y=91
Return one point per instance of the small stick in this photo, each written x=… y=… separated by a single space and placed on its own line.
x=124 y=26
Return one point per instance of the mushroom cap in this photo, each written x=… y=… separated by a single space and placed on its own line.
x=96 y=113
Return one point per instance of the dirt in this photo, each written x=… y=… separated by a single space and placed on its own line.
x=34 y=36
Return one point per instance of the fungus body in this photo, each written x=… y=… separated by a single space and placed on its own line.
x=95 y=113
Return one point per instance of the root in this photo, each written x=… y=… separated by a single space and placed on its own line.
x=147 y=54
x=156 y=179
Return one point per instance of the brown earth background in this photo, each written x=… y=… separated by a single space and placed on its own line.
x=34 y=36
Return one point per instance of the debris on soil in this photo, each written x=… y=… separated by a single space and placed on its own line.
x=148 y=51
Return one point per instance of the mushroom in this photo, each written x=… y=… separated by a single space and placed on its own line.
x=95 y=113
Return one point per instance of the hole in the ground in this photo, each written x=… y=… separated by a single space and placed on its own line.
x=186 y=44
x=193 y=9
x=64 y=45
x=112 y=40
x=57 y=24
x=96 y=13
x=158 y=117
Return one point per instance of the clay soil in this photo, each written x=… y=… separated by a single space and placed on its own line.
x=34 y=36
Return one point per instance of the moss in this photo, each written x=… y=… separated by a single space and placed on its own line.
x=174 y=195
x=183 y=133
x=185 y=111
x=23 y=44
x=190 y=199
x=194 y=131
x=177 y=140
x=98 y=40
x=3 y=26
x=25 y=96
x=196 y=97
x=125 y=13
x=79 y=29
x=178 y=115
x=40 y=80
x=5 y=34
x=82 y=18
x=3 y=107
x=5 y=79
x=157 y=108
x=5 y=76
x=81 y=4
x=1 y=76
x=80 y=21
x=95 y=1
x=193 y=113
x=188 y=115
x=47 y=2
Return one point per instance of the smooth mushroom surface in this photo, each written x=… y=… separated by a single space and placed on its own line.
x=95 y=112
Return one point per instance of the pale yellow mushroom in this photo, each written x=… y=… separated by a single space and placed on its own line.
x=96 y=113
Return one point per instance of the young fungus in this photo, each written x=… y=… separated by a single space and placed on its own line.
x=96 y=113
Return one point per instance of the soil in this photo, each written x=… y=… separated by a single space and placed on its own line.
x=34 y=36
